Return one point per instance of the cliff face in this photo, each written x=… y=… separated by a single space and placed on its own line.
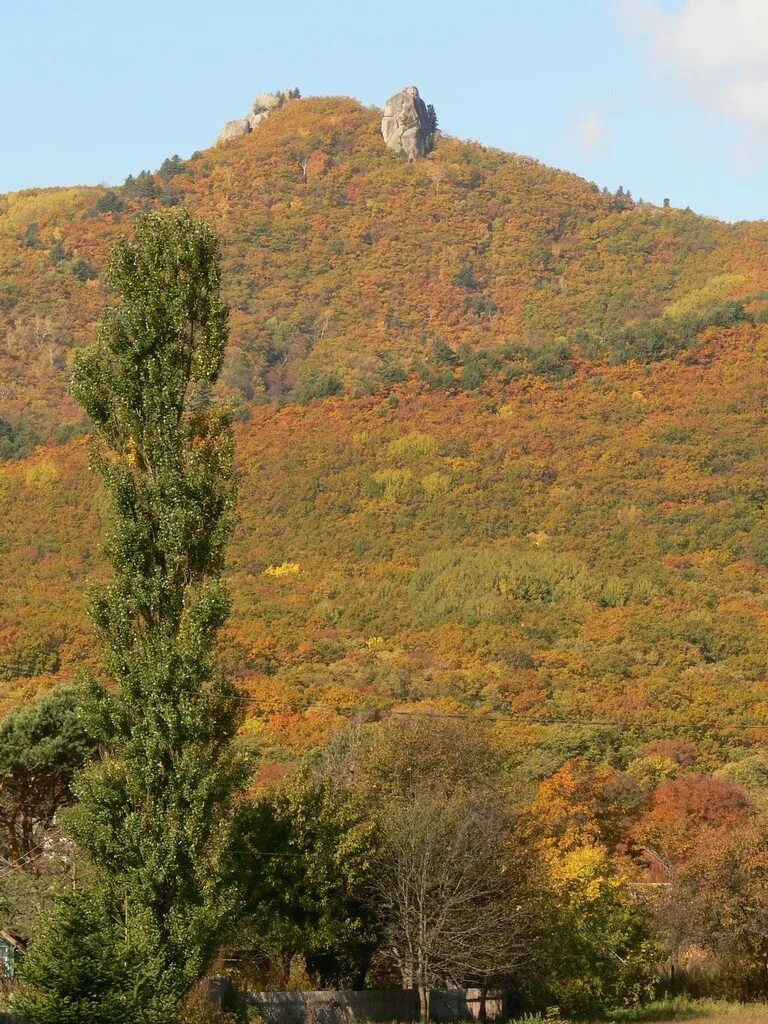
x=408 y=126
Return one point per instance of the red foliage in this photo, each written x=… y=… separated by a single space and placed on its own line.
x=683 y=809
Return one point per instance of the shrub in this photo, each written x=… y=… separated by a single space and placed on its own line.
x=82 y=270
x=318 y=384
x=110 y=202
x=16 y=442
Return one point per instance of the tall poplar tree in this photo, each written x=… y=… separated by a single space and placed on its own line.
x=155 y=815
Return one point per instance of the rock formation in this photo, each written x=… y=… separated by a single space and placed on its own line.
x=234 y=129
x=408 y=125
x=262 y=107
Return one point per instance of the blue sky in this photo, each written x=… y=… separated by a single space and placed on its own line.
x=664 y=97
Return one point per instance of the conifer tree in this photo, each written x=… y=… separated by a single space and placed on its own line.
x=155 y=815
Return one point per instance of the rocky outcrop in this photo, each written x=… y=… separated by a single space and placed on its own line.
x=408 y=124
x=262 y=107
x=234 y=129
x=266 y=101
x=255 y=119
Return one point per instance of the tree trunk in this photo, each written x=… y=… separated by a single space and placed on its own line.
x=423 y=1004
x=482 y=1013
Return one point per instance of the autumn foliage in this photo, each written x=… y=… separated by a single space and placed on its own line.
x=503 y=449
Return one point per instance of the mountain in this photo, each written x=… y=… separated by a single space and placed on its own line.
x=342 y=257
x=503 y=441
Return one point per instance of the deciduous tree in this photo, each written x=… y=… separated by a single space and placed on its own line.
x=155 y=815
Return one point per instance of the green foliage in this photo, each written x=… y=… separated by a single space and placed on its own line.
x=110 y=202
x=485 y=584
x=308 y=850
x=41 y=749
x=142 y=186
x=82 y=270
x=31 y=237
x=647 y=341
x=81 y=969
x=16 y=442
x=155 y=815
x=444 y=354
x=318 y=384
x=751 y=772
x=465 y=278
x=551 y=360
x=57 y=252
x=602 y=953
x=171 y=166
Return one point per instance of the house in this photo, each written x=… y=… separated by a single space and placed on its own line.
x=9 y=951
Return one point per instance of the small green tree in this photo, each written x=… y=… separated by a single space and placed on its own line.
x=78 y=973
x=601 y=950
x=110 y=202
x=308 y=850
x=155 y=815
x=41 y=748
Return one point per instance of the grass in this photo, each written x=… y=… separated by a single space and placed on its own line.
x=670 y=1011
x=711 y=1011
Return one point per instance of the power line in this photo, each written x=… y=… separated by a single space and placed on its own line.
x=512 y=717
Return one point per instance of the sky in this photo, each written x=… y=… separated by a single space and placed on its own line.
x=667 y=98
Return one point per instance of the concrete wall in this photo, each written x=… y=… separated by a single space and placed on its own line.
x=372 y=1005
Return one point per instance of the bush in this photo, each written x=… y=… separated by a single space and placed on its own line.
x=110 y=202
x=31 y=237
x=319 y=384
x=551 y=359
x=650 y=340
x=82 y=270
x=465 y=278
x=17 y=442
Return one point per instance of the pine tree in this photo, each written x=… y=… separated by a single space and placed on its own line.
x=155 y=816
x=81 y=970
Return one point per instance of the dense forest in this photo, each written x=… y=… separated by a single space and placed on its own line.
x=502 y=448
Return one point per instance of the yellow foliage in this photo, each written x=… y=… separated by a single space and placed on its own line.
x=716 y=289
x=436 y=483
x=395 y=482
x=41 y=474
x=284 y=569
x=415 y=445
x=33 y=205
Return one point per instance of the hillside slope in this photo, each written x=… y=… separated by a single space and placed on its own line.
x=593 y=550
x=361 y=258
x=560 y=528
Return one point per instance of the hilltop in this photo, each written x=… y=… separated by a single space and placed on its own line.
x=347 y=267
x=502 y=436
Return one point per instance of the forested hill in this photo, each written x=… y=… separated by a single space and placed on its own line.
x=503 y=440
x=347 y=268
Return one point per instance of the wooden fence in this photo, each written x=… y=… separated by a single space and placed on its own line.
x=343 y=1007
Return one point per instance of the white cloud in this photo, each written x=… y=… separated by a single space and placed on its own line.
x=591 y=132
x=718 y=49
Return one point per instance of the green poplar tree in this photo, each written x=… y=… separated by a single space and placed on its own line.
x=155 y=816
